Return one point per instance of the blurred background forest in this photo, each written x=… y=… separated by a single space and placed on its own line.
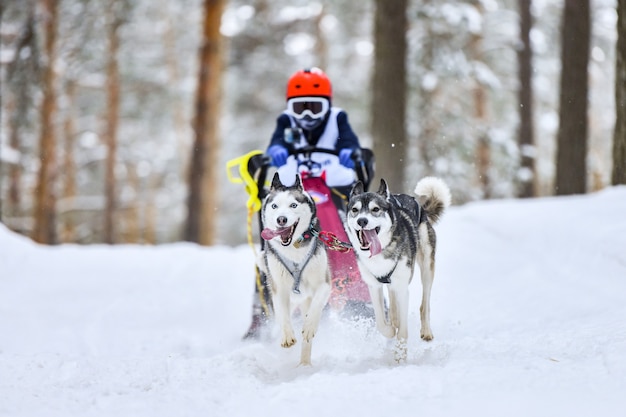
x=118 y=116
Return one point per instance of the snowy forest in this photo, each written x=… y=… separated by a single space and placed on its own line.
x=118 y=116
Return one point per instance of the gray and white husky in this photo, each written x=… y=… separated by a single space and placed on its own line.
x=295 y=261
x=389 y=233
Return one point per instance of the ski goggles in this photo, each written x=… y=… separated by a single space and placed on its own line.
x=314 y=107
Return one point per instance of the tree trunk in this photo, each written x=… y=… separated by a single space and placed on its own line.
x=151 y=213
x=112 y=120
x=45 y=199
x=69 y=164
x=389 y=91
x=14 y=198
x=483 y=145
x=571 y=167
x=19 y=107
x=132 y=213
x=526 y=140
x=203 y=178
x=618 y=175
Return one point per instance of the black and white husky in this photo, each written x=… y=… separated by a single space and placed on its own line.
x=389 y=233
x=295 y=261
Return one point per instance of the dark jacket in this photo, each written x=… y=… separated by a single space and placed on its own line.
x=347 y=137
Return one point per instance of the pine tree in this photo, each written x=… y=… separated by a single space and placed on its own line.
x=389 y=90
x=45 y=198
x=526 y=138
x=619 y=136
x=203 y=180
x=571 y=166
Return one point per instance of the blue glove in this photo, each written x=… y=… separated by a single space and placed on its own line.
x=345 y=158
x=278 y=154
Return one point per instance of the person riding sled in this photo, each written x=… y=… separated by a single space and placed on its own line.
x=314 y=139
x=310 y=120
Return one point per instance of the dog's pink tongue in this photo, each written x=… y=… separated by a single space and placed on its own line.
x=268 y=234
x=372 y=237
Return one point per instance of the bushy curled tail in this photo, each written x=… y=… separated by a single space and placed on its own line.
x=434 y=196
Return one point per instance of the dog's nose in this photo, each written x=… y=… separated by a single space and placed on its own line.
x=281 y=220
x=362 y=222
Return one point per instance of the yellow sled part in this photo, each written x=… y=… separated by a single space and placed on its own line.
x=245 y=178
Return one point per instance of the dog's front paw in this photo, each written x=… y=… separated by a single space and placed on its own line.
x=308 y=332
x=426 y=334
x=289 y=339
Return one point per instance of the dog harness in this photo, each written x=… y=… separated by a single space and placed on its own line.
x=386 y=279
x=295 y=268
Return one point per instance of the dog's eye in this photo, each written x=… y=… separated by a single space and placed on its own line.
x=376 y=209
x=293 y=205
x=354 y=210
x=274 y=206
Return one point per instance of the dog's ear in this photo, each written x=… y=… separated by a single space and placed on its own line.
x=276 y=184
x=357 y=189
x=298 y=183
x=384 y=189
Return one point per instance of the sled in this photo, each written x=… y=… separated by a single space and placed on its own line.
x=348 y=292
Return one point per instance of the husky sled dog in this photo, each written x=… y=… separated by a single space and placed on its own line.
x=389 y=233
x=295 y=261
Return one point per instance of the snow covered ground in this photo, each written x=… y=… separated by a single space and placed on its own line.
x=529 y=317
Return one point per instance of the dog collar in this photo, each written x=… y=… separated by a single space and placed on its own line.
x=308 y=234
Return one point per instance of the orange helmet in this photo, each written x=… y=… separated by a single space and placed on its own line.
x=309 y=82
